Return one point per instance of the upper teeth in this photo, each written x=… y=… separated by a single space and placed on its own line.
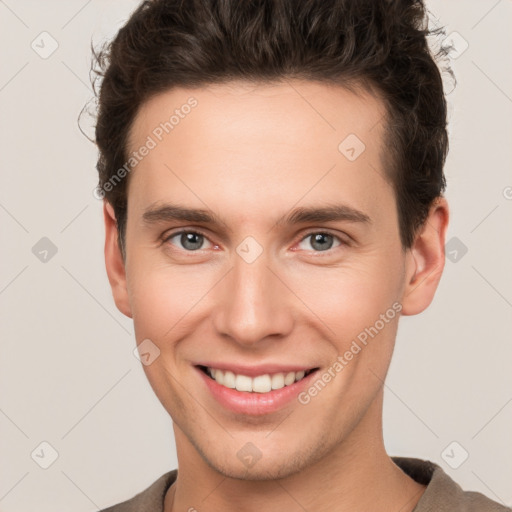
x=259 y=384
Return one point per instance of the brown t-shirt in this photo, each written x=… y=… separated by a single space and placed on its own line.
x=441 y=495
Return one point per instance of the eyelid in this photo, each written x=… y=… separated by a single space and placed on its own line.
x=166 y=236
x=343 y=240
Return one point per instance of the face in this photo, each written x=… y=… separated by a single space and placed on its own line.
x=291 y=272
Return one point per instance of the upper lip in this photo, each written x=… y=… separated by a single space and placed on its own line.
x=255 y=370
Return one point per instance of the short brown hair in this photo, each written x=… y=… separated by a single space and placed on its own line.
x=378 y=44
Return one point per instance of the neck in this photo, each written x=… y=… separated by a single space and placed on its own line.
x=357 y=475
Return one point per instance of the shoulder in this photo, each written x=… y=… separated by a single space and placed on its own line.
x=150 y=499
x=442 y=492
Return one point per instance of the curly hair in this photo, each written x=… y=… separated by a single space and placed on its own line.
x=380 y=45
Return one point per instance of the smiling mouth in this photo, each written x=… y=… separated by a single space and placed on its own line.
x=259 y=384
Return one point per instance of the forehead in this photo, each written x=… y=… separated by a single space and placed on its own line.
x=232 y=113
x=259 y=143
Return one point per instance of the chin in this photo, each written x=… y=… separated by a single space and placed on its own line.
x=278 y=463
x=261 y=471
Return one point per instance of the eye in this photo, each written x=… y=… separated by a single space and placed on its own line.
x=189 y=240
x=322 y=241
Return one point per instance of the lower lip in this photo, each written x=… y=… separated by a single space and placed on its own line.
x=252 y=403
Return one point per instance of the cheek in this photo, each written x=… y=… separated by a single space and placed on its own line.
x=164 y=302
x=163 y=297
x=342 y=301
x=352 y=297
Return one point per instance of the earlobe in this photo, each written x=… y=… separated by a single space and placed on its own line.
x=425 y=260
x=114 y=262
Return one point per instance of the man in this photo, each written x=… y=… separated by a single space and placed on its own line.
x=272 y=175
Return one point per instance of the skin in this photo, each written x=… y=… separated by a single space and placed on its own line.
x=250 y=154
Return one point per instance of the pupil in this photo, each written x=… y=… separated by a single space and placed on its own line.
x=318 y=239
x=191 y=240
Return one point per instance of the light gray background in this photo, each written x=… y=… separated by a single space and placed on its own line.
x=68 y=373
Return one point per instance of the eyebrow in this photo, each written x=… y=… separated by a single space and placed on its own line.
x=168 y=212
x=331 y=213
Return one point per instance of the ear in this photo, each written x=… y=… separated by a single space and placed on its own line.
x=425 y=260
x=114 y=262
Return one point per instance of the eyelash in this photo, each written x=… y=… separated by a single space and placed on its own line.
x=342 y=242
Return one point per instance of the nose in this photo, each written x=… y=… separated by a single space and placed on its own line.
x=253 y=304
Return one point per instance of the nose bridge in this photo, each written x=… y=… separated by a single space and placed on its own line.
x=252 y=306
